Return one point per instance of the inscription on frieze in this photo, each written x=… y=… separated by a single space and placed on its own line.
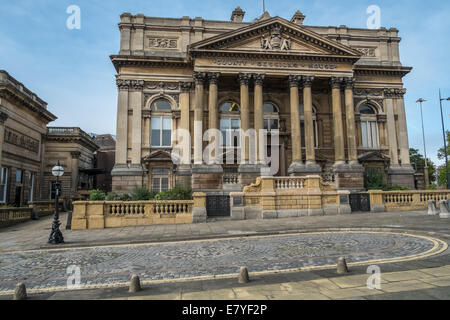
x=367 y=52
x=22 y=141
x=273 y=64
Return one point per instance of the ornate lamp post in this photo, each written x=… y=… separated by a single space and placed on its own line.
x=56 y=236
x=445 y=139
x=426 y=175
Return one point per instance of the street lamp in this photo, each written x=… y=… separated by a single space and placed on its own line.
x=426 y=176
x=445 y=139
x=56 y=236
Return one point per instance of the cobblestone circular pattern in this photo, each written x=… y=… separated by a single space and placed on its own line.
x=115 y=264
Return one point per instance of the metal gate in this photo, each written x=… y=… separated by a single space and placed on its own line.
x=218 y=206
x=360 y=202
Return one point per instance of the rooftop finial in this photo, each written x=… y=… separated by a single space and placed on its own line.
x=298 y=18
x=237 y=15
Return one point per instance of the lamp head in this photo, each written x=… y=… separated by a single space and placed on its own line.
x=421 y=100
x=58 y=170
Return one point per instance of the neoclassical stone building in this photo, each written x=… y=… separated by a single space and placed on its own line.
x=334 y=95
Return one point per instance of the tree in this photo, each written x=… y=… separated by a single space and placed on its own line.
x=441 y=153
x=442 y=176
x=418 y=161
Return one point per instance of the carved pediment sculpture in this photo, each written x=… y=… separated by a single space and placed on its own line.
x=276 y=41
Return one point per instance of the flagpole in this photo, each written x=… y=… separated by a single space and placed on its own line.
x=264 y=6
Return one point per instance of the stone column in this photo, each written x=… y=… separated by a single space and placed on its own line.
x=399 y=174
x=200 y=78
x=311 y=165
x=212 y=101
x=74 y=174
x=338 y=131
x=296 y=140
x=350 y=121
x=136 y=104
x=245 y=113
x=258 y=116
x=122 y=123
x=3 y=118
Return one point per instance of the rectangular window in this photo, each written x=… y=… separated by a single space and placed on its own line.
x=31 y=187
x=160 y=180
x=3 y=184
x=19 y=176
x=161 y=135
x=230 y=132
x=369 y=134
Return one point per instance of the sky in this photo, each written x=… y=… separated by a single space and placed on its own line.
x=71 y=69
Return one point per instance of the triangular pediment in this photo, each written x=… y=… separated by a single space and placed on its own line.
x=373 y=156
x=274 y=36
x=159 y=155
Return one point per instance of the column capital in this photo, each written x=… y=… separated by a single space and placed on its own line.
x=394 y=93
x=213 y=77
x=349 y=83
x=259 y=78
x=294 y=80
x=200 y=77
x=336 y=82
x=185 y=86
x=123 y=84
x=136 y=85
x=307 y=81
x=244 y=78
x=3 y=117
x=75 y=154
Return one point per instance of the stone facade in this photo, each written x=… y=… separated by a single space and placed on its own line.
x=104 y=161
x=336 y=95
x=74 y=149
x=23 y=120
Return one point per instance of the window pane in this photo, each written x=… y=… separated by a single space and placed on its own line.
x=366 y=110
x=266 y=124
x=156 y=123
x=19 y=176
x=224 y=123
x=2 y=193
x=235 y=124
x=167 y=123
x=374 y=134
x=365 y=141
x=161 y=104
x=160 y=172
x=156 y=138
x=156 y=186
x=274 y=124
x=164 y=184
x=224 y=137
x=167 y=138
x=269 y=108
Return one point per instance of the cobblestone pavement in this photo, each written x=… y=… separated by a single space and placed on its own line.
x=114 y=264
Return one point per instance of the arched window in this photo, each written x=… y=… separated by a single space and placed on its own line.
x=271 y=117
x=161 y=123
x=161 y=105
x=302 y=126
x=230 y=124
x=369 y=127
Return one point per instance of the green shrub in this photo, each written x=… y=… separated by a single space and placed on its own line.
x=142 y=194
x=177 y=193
x=118 y=196
x=373 y=179
x=432 y=187
x=97 y=195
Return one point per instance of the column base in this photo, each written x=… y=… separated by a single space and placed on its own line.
x=349 y=176
x=183 y=176
x=401 y=176
x=126 y=178
x=206 y=177
x=308 y=168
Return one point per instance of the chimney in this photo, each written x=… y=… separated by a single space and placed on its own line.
x=298 y=18
x=237 y=15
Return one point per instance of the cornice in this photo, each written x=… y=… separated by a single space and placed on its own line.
x=130 y=60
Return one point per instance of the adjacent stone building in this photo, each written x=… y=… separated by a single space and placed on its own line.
x=104 y=161
x=333 y=94
x=75 y=150
x=23 y=126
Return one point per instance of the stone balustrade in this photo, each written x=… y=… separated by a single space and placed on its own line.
x=10 y=216
x=279 y=197
x=231 y=178
x=111 y=214
x=405 y=200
